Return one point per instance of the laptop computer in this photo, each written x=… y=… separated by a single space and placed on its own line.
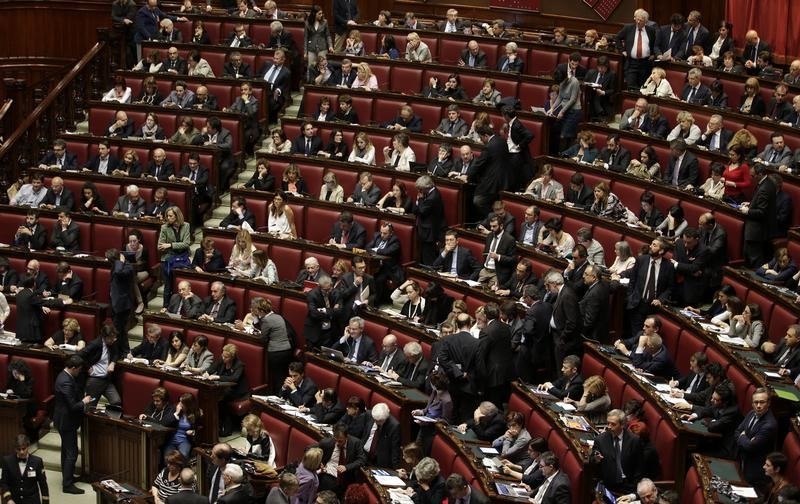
x=332 y=353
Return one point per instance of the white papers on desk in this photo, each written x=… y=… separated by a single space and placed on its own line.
x=9 y=339
x=672 y=400
x=731 y=341
x=424 y=419
x=491 y=463
x=566 y=406
x=80 y=255
x=663 y=387
x=287 y=407
x=746 y=492
x=67 y=346
x=713 y=328
x=488 y=450
x=690 y=314
x=138 y=360
x=772 y=374
x=398 y=497
x=169 y=368
x=666 y=54
x=389 y=481
x=260 y=397
x=471 y=283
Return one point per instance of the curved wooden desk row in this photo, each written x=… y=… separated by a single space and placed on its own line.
x=112 y=187
x=778 y=308
x=697 y=487
x=629 y=190
x=376 y=107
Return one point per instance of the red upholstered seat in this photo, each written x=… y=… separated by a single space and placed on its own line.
x=540 y=62
x=252 y=356
x=442 y=453
x=288 y=261
x=99 y=119
x=80 y=149
x=591 y=366
x=573 y=467
x=348 y=388
x=294 y=310
x=106 y=236
x=692 y=492
x=780 y=321
x=532 y=94
x=744 y=388
x=298 y=441
x=450 y=50
x=558 y=445
x=136 y=392
x=538 y=425
x=665 y=441
x=376 y=331
x=464 y=468
x=689 y=344
x=383 y=109
x=766 y=305
x=279 y=433
x=735 y=229
x=320 y=223
x=791 y=448
x=324 y=378
x=616 y=386
x=176 y=390
x=670 y=333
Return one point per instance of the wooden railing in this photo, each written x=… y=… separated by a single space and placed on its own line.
x=57 y=105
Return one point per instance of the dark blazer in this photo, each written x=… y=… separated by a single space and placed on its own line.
x=186 y=496
x=440 y=168
x=754 y=443
x=151 y=351
x=41 y=283
x=123 y=204
x=626 y=37
x=414 y=375
x=558 y=492
x=243 y=71
x=303 y=395
x=282 y=81
x=466 y=265
x=165 y=417
x=457 y=357
x=167 y=169
x=283 y=40
x=29 y=316
x=93 y=352
x=70 y=160
x=638 y=276
x=658 y=128
x=722 y=421
x=337 y=78
x=158 y=209
x=759 y=222
x=494 y=355
x=692 y=266
x=631 y=460
x=536 y=328
x=779 y=111
x=387 y=451
x=67 y=200
x=488 y=428
x=688 y=171
x=72 y=287
x=69 y=238
x=125 y=131
x=369 y=197
x=700 y=384
x=391 y=249
x=414 y=124
x=617 y=161
x=68 y=406
x=233 y=219
x=235 y=375
x=792 y=362
x=506 y=249
x=122 y=280
x=238 y=495
x=564 y=387
x=659 y=363
x=355 y=239
x=480 y=59
x=366 y=349
x=299 y=145
x=430 y=222
x=608 y=83
x=516 y=66
x=725 y=136
x=475 y=497
x=316 y=319
x=227 y=309
x=757 y=106
x=750 y=53
x=348 y=291
x=395 y=362
x=582 y=199
x=701 y=94
x=8 y=279
x=488 y=170
x=23 y=487
x=354 y=452
x=327 y=414
x=178 y=66
x=567 y=321
x=676 y=45
x=244 y=41
x=595 y=311
x=580 y=72
x=94 y=164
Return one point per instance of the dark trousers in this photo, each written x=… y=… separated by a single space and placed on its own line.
x=638 y=314
x=120 y=320
x=277 y=369
x=428 y=252
x=69 y=455
x=637 y=71
x=96 y=387
x=756 y=252
x=482 y=205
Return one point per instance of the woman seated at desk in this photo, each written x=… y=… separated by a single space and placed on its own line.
x=513 y=444
x=780 y=269
x=186 y=415
x=207 y=258
x=160 y=410
x=718 y=305
x=177 y=350
x=355 y=416
x=595 y=401
x=733 y=307
x=748 y=325
x=280 y=217
x=409 y=297
x=231 y=370
x=70 y=334
x=259 y=443
x=674 y=224
x=584 y=150
x=168 y=481
x=199 y=358
x=429 y=485
x=529 y=473
x=20 y=383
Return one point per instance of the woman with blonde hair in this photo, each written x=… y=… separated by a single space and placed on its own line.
x=686 y=129
x=241 y=260
x=229 y=369
x=129 y=165
x=480 y=119
x=607 y=204
x=280 y=218
x=743 y=138
x=259 y=443
x=751 y=101
x=364 y=78
x=70 y=334
x=331 y=189
x=657 y=85
x=173 y=241
x=595 y=401
x=292 y=181
x=307 y=477
x=363 y=150
x=354 y=46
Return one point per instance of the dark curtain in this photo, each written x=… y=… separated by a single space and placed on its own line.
x=774 y=21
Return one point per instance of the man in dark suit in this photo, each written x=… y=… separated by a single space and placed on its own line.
x=578 y=195
x=493 y=357
x=430 y=221
x=381 y=439
x=238 y=37
x=23 y=478
x=535 y=352
x=121 y=127
x=160 y=168
x=721 y=418
x=776 y=153
x=386 y=244
x=279 y=38
x=203 y=100
x=41 y=282
x=307 y=144
x=530 y=231
x=343 y=76
x=638 y=44
x=101 y=355
x=488 y=171
x=652 y=280
x=565 y=326
x=786 y=354
x=356 y=288
x=601 y=88
x=68 y=284
x=459 y=491
x=456 y=259
x=759 y=218
x=653 y=357
x=365 y=192
x=716 y=137
x=218 y=307
x=511 y=61
x=500 y=252
x=220 y=456
x=355 y=345
x=347 y=233
x=672 y=38
x=520 y=170
x=174 y=64
x=619 y=453
x=572 y=67
x=573 y=273
x=569 y=384
x=239 y=215
x=215 y=135
x=452 y=24
x=131 y=206
x=279 y=78
x=324 y=309
x=297 y=388
x=523 y=275
x=236 y=68
x=67 y=417
x=654 y=124
x=122 y=280
x=694 y=91
x=556 y=487
x=715 y=239
x=58 y=195
x=235 y=492
x=457 y=359
x=753 y=47
x=30 y=312
x=696 y=34
x=59 y=157
x=160 y=203
x=345 y=15
x=755 y=438
x=405 y=120
x=153 y=347
x=197 y=175
x=472 y=56
x=186 y=494
x=452 y=126
x=594 y=305
x=66 y=233
x=778 y=108
x=185 y=303
x=342 y=456
x=8 y=276
x=103 y=162
x=614 y=156
x=689 y=259
x=683 y=168
x=391 y=357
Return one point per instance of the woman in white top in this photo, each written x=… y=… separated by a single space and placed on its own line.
x=5 y=311
x=561 y=241
x=733 y=307
x=686 y=129
x=399 y=156
x=280 y=144
x=624 y=260
x=263 y=268
x=546 y=187
x=241 y=261
x=119 y=93
x=280 y=218
x=259 y=443
x=363 y=150
x=408 y=297
x=657 y=85
x=748 y=325
x=364 y=78
x=714 y=186
x=151 y=64
x=331 y=189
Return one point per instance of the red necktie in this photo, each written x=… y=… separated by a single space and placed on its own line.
x=639 y=45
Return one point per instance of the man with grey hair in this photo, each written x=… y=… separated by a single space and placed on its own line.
x=511 y=62
x=381 y=438
x=487 y=422
x=131 y=205
x=414 y=370
x=716 y=136
x=58 y=195
x=556 y=486
x=646 y=493
x=694 y=91
x=235 y=493
x=430 y=219
x=638 y=43
x=324 y=308
x=355 y=346
x=186 y=493
x=184 y=303
x=565 y=324
x=427 y=470
x=618 y=451
x=311 y=271
x=218 y=307
x=153 y=347
x=652 y=357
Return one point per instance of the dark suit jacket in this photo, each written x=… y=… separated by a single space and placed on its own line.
x=93 y=352
x=167 y=169
x=299 y=145
x=23 y=487
x=488 y=171
x=638 y=276
x=457 y=357
x=123 y=204
x=692 y=266
x=580 y=72
x=387 y=452
x=227 y=309
x=348 y=291
x=391 y=249
x=186 y=497
x=414 y=124
x=659 y=364
x=750 y=53
x=68 y=406
x=366 y=349
x=626 y=37
x=69 y=239
x=315 y=319
x=67 y=199
x=8 y=279
x=688 y=171
x=494 y=355
x=701 y=94
x=475 y=497
x=608 y=83
x=480 y=59
x=158 y=209
x=356 y=238
x=151 y=351
x=466 y=265
x=244 y=70
x=192 y=307
x=676 y=45
x=282 y=81
x=753 y=444
x=558 y=492
x=658 y=128
x=233 y=219
x=395 y=363
x=72 y=287
x=516 y=66
x=759 y=222
x=631 y=460
x=563 y=387
x=488 y=428
x=595 y=310
x=179 y=66
x=757 y=106
x=29 y=316
x=430 y=222
x=354 y=453
x=209 y=103
x=70 y=160
x=506 y=249
x=620 y=161
x=122 y=280
x=536 y=328
x=125 y=131
x=566 y=315
x=303 y=395
x=414 y=375
x=725 y=136
x=792 y=362
x=582 y=199
x=94 y=164
x=337 y=78
x=236 y=496
x=327 y=414
x=779 y=111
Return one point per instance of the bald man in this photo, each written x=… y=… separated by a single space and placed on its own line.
x=160 y=168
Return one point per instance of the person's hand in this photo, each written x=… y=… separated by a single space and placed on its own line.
x=341 y=469
x=86 y=399
x=402 y=474
x=462 y=428
x=142 y=416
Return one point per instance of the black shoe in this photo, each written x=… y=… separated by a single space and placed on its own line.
x=72 y=489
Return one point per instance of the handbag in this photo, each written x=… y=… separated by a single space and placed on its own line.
x=177 y=261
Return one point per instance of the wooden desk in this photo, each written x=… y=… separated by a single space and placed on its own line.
x=209 y=396
x=136 y=495
x=699 y=487
x=12 y=413
x=125 y=449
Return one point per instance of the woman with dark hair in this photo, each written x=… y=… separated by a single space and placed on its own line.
x=337 y=148
x=160 y=410
x=607 y=204
x=714 y=186
x=570 y=107
x=186 y=134
x=452 y=89
x=200 y=358
x=725 y=292
x=19 y=382
x=717 y=98
x=91 y=201
x=280 y=217
x=317 y=35
x=120 y=93
x=168 y=481
x=733 y=307
x=187 y=414
x=775 y=469
x=737 y=176
x=647 y=166
x=207 y=258
x=150 y=130
x=513 y=444
x=324 y=110
x=748 y=325
x=262 y=179
x=199 y=33
x=723 y=42
x=280 y=144
x=674 y=224
x=355 y=416
x=396 y=200
x=388 y=47
x=408 y=296
x=439 y=304
x=152 y=63
x=176 y=352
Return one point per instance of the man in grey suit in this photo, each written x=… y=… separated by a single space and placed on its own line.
x=775 y=154
x=131 y=205
x=184 y=303
x=286 y=489
x=453 y=125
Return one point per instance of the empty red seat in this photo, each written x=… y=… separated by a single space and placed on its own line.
x=279 y=433
x=324 y=378
x=136 y=391
x=298 y=442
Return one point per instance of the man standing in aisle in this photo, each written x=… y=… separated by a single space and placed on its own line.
x=68 y=417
